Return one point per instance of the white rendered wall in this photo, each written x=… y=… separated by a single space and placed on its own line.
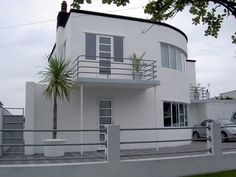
x=221 y=109
x=132 y=31
x=132 y=108
x=198 y=113
x=191 y=73
x=211 y=109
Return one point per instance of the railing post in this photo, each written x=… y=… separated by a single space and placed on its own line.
x=214 y=142
x=153 y=70
x=77 y=70
x=113 y=144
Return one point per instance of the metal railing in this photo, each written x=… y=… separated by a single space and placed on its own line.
x=199 y=93
x=15 y=157
x=113 y=68
x=113 y=136
x=157 y=153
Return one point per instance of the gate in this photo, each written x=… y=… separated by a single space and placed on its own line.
x=13 y=119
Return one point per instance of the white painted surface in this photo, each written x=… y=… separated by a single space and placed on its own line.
x=1 y=126
x=163 y=167
x=221 y=109
x=211 y=109
x=30 y=111
x=54 y=151
x=191 y=73
x=133 y=108
x=197 y=113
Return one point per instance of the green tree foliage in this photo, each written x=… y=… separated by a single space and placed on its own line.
x=58 y=78
x=207 y=12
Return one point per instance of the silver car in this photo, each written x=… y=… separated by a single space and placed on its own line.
x=226 y=132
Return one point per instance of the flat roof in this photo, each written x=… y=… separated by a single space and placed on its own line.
x=128 y=18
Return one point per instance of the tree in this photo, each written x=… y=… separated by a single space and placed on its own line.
x=208 y=12
x=57 y=77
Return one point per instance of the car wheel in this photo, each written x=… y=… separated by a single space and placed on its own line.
x=195 y=136
x=223 y=136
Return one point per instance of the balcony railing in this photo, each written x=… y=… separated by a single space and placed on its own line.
x=199 y=93
x=109 y=68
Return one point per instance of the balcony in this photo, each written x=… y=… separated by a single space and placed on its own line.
x=198 y=93
x=97 y=71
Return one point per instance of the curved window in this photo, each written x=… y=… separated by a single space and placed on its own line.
x=172 y=57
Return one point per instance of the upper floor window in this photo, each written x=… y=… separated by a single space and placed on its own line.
x=172 y=57
x=104 y=46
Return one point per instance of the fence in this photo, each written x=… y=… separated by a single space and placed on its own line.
x=215 y=159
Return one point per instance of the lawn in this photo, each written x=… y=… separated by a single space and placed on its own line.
x=219 y=174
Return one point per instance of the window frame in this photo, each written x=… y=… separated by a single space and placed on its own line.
x=99 y=116
x=183 y=57
x=178 y=122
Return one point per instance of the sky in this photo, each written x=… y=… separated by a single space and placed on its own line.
x=28 y=33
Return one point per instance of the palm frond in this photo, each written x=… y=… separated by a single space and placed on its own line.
x=58 y=78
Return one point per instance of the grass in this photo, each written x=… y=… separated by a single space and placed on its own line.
x=219 y=174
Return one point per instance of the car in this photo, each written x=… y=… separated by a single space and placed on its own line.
x=227 y=133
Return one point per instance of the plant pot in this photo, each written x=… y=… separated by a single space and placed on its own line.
x=54 y=151
x=138 y=75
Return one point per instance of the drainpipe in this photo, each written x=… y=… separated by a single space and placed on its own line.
x=81 y=116
x=155 y=114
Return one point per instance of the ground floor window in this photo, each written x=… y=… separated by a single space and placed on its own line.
x=175 y=114
x=105 y=115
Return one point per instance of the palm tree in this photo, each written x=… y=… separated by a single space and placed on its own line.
x=58 y=77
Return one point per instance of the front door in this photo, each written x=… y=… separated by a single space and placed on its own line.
x=105 y=51
x=104 y=116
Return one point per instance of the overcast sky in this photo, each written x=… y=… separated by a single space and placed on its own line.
x=23 y=46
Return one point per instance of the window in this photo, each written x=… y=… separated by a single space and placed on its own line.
x=164 y=55
x=172 y=57
x=105 y=53
x=105 y=46
x=175 y=114
x=105 y=115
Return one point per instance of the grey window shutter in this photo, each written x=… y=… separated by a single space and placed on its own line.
x=118 y=49
x=90 y=46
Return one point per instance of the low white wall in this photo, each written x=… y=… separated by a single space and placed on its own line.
x=221 y=109
x=211 y=109
x=165 y=167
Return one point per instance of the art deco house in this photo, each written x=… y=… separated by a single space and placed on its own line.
x=109 y=88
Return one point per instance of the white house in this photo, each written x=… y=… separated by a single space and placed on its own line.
x=107 y=91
